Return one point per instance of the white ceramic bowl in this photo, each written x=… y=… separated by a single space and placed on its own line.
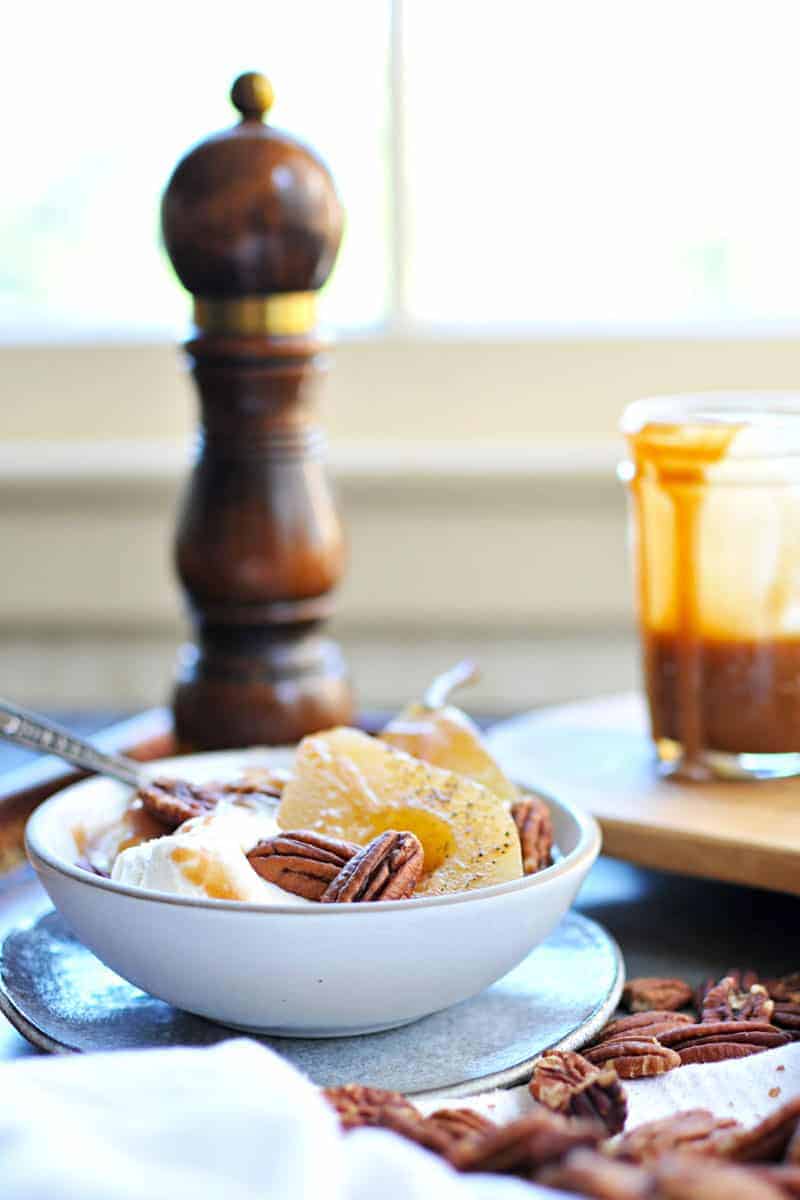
x=314 y=971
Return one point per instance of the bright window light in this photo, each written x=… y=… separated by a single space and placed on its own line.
x=100 y=109
x=591 y=167
x=616 y=164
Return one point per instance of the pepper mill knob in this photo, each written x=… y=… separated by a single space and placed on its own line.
x=251 y=211
x=252 y=95
x=252 y=223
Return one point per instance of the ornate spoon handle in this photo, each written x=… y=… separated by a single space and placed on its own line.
x=28 y=729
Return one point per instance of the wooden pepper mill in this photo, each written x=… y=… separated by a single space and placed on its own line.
x=252 y=224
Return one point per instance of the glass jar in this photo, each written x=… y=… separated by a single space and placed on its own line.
x=714 y=484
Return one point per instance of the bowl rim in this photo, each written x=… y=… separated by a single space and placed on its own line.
x=585 y=851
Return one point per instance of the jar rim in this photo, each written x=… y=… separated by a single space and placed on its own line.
x=712 y=408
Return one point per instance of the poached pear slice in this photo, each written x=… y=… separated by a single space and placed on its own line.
x=348 y=785
x=445 y=736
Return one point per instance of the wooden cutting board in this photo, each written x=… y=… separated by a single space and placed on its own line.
x=597 y=754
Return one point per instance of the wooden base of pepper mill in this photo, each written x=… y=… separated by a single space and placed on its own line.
x=252 y=224
x=266 y=694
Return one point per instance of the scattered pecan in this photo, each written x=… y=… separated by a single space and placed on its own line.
x=422 y=1131
x=758 y=1033
x=526 y=1144
x=792 y=1152
x=301 y=862
x=386 y=869
x=701 y=991
x=770 y=1140
x=648 y=993
x=712 y=1052
x=743 y=977
x=535 y=827
x=683 y=1177
x=696 y=1130
x=592 y=1174
x=459 y=1123
x=646 y=1024
x=634 y=1057
x=729 y=1000
x=786 y=989
x=786 y=1015
x=568 y=1083
x=445 y=1132
x=715 y=1041
x=359 y=1105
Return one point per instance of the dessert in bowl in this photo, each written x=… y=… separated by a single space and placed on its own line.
x=343 y=886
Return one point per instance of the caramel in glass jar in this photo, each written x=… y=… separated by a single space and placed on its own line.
x=716 y=538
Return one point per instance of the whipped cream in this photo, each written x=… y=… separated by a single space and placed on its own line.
x=206 y=858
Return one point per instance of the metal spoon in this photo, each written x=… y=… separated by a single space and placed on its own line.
x=34 y=732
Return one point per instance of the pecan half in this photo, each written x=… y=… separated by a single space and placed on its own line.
x=743 y=977
x=592 y=1174
x=715 y=1041
x=535 y=827
x=459 y=1123
x=791 y=1154
x=526 y=1144
x=568 y=1083
x=301 y=862
x=387 y=869
x=682 y=1177
x=786 y=1015
x=696 y=1130
x=785 y=989
x=729 y=1000
x=758 y=1033
x=422 y=1131
x=648 y=993
x=646 y=1024
x=173 y=801
x=634 y=1058
x=443 y=1132
x=712 y=1052
x=457 y=1127
x=771 y=1139
x=358 y=1105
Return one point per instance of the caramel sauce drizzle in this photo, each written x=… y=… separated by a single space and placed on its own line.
x=200 y=869
x=676 y=457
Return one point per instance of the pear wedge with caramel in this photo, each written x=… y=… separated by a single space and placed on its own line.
x=445 y=736
x=352 y=786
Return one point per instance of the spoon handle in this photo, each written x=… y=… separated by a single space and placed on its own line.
x=28 y=729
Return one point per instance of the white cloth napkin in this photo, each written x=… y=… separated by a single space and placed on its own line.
x=238 y=1122
x=233 y=1122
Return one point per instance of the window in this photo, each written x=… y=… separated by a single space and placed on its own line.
x=612 y=167
x=111 y=105
x=617 y=164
